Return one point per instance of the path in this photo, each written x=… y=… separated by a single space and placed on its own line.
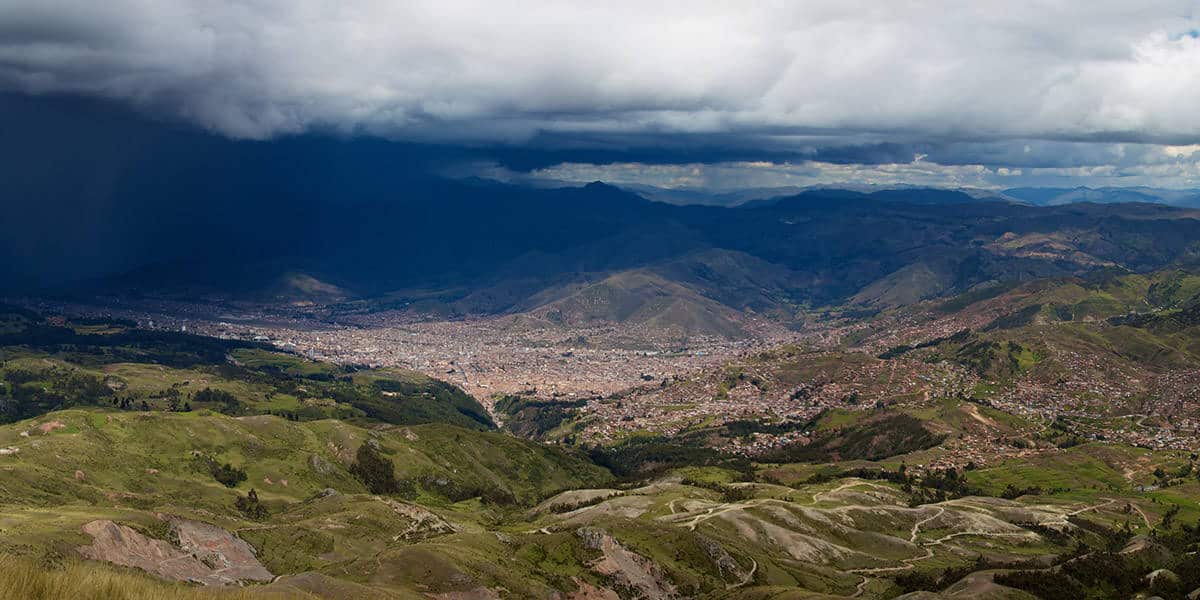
x=916 y=528
x=1144 y=517
x=747 y=579
x=914 y=533
x=817 y=496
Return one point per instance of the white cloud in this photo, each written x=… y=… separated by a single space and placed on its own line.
x=730 y=176
x=487 y=71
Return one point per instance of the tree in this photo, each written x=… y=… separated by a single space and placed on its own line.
x=374 y=471
x=226 y=403
x=226 y=474
x=250 y=506
x=229 y=475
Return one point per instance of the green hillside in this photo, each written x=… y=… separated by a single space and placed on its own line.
x=485 y=515
x=1133 y=335
x=46 y=367
x=639 y=297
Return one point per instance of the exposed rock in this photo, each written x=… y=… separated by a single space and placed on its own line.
x=588 y=591
x=51 y=426
x=9 y=451
x=574 y=498
x=1147 y=549
x=320 y=465
x=479 y=593
x=323 y=586
x=726 y=565
x=425 y=523
x=79 y=475
x=206 y=554
x=625 y=567
x=214 y=546
x=1162 y=576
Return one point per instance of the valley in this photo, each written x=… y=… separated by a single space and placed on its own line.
x=1011 y=415
x=464 y=300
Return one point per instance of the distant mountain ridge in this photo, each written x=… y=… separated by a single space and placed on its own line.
x=597 y=253
x=1105 y=195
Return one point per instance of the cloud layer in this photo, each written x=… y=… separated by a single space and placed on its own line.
x=962 y=83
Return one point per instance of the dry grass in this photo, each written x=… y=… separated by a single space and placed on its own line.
x=23 y=579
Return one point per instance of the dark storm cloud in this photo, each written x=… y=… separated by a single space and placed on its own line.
x=1013 y=85
x=481 y=72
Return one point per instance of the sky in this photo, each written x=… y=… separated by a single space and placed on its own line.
x=716 y=95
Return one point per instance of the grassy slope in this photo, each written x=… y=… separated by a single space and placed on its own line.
x=116 y=450
x=637 y=297
x=1109 y=327
x=783 y=532
x=45 y=367
x=133 y=465
x=28 y=580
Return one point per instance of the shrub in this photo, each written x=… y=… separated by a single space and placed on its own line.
x=227 y=474
x=249 y=506
x=374 y=471
x=226 y=403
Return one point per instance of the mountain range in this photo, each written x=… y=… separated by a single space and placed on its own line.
x=597 y=252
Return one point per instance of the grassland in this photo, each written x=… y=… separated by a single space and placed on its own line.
x=21 y=578
x=469 y=524
x=46 y=367
x=483 y=514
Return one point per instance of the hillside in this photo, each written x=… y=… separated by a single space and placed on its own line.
x=1058 y=196
x=481 y=513
x=525 y=248
x=48 y=366
x=1108 y=344
x=392 y=489
x=636 y=298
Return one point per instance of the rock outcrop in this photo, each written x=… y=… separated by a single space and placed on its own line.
x=204 y=554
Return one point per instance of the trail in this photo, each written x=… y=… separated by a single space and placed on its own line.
x=945 y=538
x=916 y=528
x=717 y=511
x=817 y=496
x=914 y=533
x=704 y=517
x=909 y=563
x=861 y=587
x=1090 y=508
x=1144 y=517
x=747 y=579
